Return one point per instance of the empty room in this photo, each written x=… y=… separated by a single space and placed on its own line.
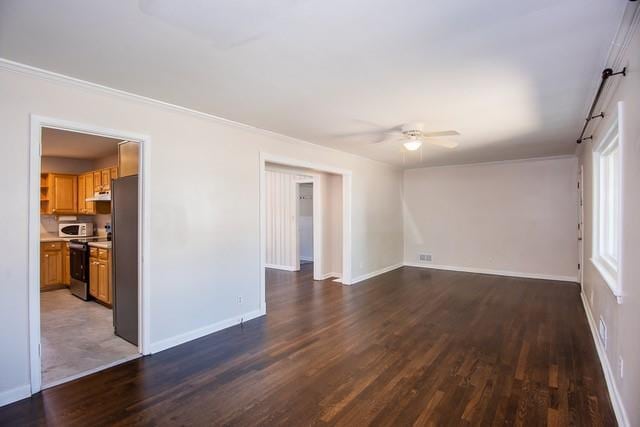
x=293 y=212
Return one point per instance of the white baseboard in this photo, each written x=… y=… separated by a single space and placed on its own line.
x=306 y=258
x=281 y=267
x=573 y=279
x=206 y=330
x=616 y=400
x=15 y=394
x=375 y=273
x=328 y=275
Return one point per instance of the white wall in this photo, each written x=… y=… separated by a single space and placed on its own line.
x=204 y=204
x=517 y=217
x=305 y=221
x=622 y=319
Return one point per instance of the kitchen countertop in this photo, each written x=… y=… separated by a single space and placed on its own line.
x=53 y=238
x=101 y=245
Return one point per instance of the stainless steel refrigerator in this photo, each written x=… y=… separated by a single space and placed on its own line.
x=124 y=223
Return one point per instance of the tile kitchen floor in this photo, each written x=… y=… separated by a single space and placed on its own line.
x=77 y=336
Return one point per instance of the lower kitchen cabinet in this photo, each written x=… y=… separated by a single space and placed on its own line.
x=100 y=275
x=52 y=261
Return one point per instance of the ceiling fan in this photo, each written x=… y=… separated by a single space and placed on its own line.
x=413 y=135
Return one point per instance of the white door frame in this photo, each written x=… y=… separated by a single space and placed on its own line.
x=346 y=215
x=35 y=150
x=581 y=226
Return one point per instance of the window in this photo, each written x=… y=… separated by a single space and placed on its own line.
x=606 y=203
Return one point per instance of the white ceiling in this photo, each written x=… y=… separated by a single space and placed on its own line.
x=513 y=77
x=74 y=145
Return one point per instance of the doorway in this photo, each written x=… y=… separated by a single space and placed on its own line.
x=325 y=180
x=88 y=298
x=305 y=222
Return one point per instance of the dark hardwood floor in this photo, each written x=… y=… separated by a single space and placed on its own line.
x=410 y=347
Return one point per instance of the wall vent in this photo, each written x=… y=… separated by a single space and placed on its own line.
x=602 y=332
x=424 y=257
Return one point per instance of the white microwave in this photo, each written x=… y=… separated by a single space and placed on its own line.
x=78 y=229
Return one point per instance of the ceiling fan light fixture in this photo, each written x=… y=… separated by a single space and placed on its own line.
x=412 y=145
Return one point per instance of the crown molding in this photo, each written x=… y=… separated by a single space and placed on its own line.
x=498 y=162
x=617 y=57
x=19 y=67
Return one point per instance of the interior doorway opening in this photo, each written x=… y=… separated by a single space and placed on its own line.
x=305 y=222
x=86 y=240
x=305 y=217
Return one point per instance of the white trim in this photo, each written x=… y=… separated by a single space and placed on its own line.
x=37 y=122
x=15 y=394
x=616 y=399
x=497 y=162
x=18 y=67
x=327 y=276
x=91 y=371
x=573 y=279
x=306 y=258
x=377 y=272
x=205 y=330
x=617 y=58
x=346 y=216
x=282 y=267
x=609 y=270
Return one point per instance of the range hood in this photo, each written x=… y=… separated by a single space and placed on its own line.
x=100 y=197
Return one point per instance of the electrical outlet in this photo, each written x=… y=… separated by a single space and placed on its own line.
x=425 y=257
x=239 y=300
x=621 y=366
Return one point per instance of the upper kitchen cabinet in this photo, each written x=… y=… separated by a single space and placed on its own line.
x=85 y=190
x=58 y=194
x=128 y=158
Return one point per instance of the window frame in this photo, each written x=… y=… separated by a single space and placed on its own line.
x=609 y=267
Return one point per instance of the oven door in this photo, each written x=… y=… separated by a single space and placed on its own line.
x=79 y=260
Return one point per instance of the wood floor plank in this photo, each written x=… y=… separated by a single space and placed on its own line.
x=409 y=347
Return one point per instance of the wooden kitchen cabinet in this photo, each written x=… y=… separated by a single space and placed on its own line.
x=97 y=181
x=93 y=277
x=105 y=179
x=100 y=283
x=82 y=195
x=51 y=265
x=58 y=194
x=89 y=188
x=63 y=194
x=104 y=286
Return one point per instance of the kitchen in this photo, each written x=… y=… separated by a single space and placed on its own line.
x=88 y=253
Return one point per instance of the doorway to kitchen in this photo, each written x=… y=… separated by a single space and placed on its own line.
x=87 y=234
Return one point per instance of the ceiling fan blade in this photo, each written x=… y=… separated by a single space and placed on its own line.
x=355 y=134
x=387 y=137
x=441 y=133
x=445 y=144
